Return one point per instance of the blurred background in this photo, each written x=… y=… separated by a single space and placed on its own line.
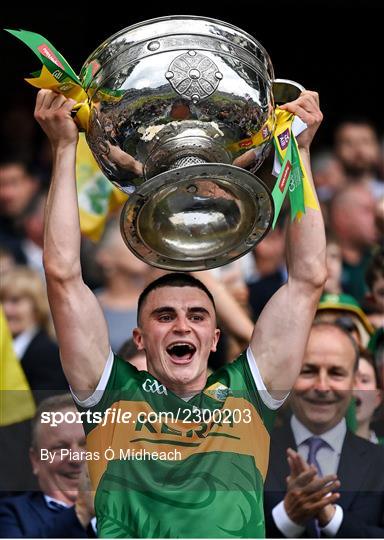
x=333 y=47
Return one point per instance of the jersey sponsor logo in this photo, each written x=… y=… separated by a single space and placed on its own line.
x=154 y=387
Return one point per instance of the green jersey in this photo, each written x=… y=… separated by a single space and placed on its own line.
x=171 y=468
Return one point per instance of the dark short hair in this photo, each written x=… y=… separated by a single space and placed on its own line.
x=12 y=160
x=355 y=120
x=175 y=279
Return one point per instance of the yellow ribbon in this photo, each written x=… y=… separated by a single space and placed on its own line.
x=69 y=89
x=284 y=120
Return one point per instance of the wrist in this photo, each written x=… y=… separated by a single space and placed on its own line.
x=326 y=514
x=83 y=515
x=304 y=151
x=290 y=515
x=64 y=146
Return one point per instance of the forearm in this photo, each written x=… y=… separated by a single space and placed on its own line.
x=231 y=314
x=306 y=243
x=62 y=226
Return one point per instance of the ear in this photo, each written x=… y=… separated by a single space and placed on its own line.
x=215 y=340
x=138 y=339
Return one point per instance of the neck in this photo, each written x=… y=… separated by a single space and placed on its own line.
x=66 y=497
x=363 y=430
x=187 y=389
x=317 y=429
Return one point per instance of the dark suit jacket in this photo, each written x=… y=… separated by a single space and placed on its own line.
x=28 y=516
x=42 y=367
x=361 y=474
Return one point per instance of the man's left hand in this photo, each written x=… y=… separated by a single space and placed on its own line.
x=306 y=107
x=300 y=474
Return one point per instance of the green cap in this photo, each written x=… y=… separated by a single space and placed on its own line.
x=345 y=302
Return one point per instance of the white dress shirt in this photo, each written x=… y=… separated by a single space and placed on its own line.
x=22 y=341
x=49 y=499
x=328 y=458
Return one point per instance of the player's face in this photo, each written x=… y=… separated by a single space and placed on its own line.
x=178 y=332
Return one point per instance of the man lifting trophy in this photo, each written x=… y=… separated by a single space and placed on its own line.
x=173 y=110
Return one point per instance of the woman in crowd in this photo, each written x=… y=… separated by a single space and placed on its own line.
x=368 y=397
x=125 y=276
x=26 y=308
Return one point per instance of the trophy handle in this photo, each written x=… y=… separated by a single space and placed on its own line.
x=285 y=90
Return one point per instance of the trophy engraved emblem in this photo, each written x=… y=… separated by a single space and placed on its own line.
x=193 y=76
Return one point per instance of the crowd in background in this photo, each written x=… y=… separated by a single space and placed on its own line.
x=349 y=179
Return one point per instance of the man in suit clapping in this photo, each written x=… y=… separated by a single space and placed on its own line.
x=324 y=481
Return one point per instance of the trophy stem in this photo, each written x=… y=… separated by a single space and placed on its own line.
x=185 y=161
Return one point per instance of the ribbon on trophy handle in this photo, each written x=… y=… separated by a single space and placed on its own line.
x=97 y=197
x=56 y=74
x=293 y=177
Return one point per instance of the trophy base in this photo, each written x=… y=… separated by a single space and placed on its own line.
x=197 y=217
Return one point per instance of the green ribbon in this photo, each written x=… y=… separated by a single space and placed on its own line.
x=295 y=188
x=289 y=180
x=48 y=55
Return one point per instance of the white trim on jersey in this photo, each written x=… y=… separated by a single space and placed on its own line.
x=268 y=400
x=94 y=399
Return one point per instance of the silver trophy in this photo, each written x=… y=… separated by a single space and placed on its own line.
x=182 y=115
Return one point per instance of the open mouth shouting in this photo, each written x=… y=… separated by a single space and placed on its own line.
x=181 y=352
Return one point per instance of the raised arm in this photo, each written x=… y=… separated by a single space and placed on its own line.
x=79 y=322
x=281 y=332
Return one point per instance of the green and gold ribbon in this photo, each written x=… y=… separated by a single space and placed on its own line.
x=56 y=74
x=293 y=177
x=97 y=197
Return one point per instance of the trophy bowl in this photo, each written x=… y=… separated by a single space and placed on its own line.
x=182 y=115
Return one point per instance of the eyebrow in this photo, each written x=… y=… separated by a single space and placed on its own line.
x=169 y=309
x=315 y=366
